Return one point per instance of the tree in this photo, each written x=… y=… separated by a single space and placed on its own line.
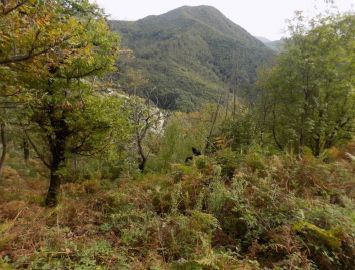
x=240 y=130
x=4 y=145
x=146 y=120
x=308 y=97
x=32 y=34
x=60 y=103
x=33 y=29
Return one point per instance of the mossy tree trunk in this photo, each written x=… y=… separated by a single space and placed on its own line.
x=57 y=143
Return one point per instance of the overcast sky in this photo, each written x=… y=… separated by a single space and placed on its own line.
x=264 y=18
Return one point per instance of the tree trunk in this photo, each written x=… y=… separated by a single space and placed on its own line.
x=53 y=190
x=277 y=142
x=57 y=149
x=213 y=123
x=55 y=179
x=143 y=158
x=142 y=163
x=317 y=147
x=4 y=146
x=26 y=150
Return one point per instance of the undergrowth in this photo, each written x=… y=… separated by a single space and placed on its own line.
x=224 y=211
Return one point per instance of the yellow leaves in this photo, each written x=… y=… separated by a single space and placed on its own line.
x=4 y=37
x=87 y=49
x=25 y=9
x=51 y=43
x=43 y=20
x=220 y=142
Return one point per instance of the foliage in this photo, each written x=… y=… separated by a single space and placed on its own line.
x=240 y=129
x=191 y=56
x=67 y=46
x=148 y=125
x=264 y=217
x=215 y=192
x=307 y=98
x=180 y=135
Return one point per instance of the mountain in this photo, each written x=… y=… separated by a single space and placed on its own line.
x=276 y=45
x=263 y=39
x=190 y=55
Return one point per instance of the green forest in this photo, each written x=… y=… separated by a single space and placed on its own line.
x=177 y=142
x=188 y=56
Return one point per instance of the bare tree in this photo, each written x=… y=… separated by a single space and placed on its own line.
x=213 y=125
x=146 y=119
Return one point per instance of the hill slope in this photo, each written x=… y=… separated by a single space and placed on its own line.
x=191 y=55
x=276 y=45
x=263 y=39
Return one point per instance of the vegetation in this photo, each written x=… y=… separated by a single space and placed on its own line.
x=56 y=103
x=93 y=177
x=191 y=55
x=308 y=99
x=276 y=45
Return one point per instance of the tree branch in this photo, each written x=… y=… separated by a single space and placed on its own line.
x=41 y=157
x=11 y=9
x=31 y=53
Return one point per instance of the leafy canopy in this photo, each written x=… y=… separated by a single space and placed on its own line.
x=308 y=97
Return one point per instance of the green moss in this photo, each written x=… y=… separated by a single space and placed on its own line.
x=320 y=235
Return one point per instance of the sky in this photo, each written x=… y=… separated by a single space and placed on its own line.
x=265 y=18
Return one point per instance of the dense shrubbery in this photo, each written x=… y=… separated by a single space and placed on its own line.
x=275 y=212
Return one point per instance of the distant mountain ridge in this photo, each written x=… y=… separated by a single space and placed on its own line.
x=263 y=39
x=275 y=45
x=191 y=55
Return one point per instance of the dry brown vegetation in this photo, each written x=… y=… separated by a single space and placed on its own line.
x=276 y=212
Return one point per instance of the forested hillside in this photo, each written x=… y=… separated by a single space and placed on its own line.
x=94 y=176
x=192 y=55
x=275 y=45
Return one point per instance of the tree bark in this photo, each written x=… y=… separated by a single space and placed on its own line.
x=26 y=150
x=4 y=145
x=142 y=163
x=53 y=190
x=274 y=131
x=57 y=142
x=316 y=148
x=58 y=151
x=143 y=158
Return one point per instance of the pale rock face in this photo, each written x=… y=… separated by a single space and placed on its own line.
x=350 y=157
x=159 y=115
